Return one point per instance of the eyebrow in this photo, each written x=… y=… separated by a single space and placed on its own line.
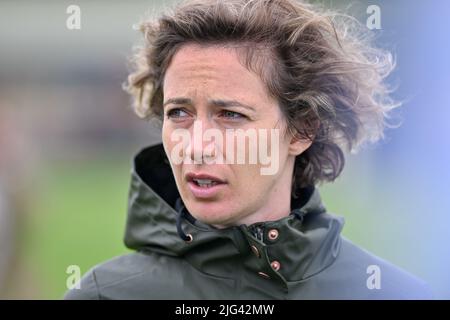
x=214 y=102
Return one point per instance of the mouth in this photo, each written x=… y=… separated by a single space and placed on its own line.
x=204 y=186
x=205 y=183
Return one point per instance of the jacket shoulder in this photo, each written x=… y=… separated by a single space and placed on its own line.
x=113 y=275
x=88 y=289
x=130 y=276
x=371 y=277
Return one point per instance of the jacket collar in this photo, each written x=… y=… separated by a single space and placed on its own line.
x=303 y=247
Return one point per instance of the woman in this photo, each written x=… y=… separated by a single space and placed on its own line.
x=239 y=79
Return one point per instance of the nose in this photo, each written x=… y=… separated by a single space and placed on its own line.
x=199 y=149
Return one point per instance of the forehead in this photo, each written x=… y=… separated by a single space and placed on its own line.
x=211 y=67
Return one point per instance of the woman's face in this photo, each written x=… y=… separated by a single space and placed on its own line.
x=208 y=89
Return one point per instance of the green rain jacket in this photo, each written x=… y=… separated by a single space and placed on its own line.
x=301 y=256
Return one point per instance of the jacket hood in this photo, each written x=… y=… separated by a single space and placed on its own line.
x=308 y=242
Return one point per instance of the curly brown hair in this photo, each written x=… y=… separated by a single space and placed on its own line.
x=320 y=65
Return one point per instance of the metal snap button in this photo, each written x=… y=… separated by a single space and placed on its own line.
x=275 y=265
x=256 y=251
x=273 y=234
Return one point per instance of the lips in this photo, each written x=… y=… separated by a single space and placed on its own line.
x=204 y=185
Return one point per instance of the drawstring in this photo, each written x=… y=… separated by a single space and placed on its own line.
x=183 y=214
x=257 y=230
x=299 y=214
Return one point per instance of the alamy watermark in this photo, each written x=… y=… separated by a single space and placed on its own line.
x=73 y=21
x=374 y=279
x=261 y=149
x=374 y=19
x=73 y=280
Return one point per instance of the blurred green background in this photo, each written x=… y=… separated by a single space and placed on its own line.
x=77 y=219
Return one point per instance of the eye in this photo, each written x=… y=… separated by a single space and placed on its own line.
x=232 y=115
x=176 y=113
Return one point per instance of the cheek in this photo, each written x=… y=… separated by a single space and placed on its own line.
x=283 y=147
x=169 y=147
x=251 y=190
x=249 y=179
x=165 y=132
x=167 y=141
x=166 y=144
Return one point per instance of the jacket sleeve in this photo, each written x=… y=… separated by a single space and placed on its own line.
x=88 y=289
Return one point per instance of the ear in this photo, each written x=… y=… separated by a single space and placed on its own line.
x=298 y=145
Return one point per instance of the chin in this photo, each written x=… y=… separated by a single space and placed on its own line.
x=210 y=212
